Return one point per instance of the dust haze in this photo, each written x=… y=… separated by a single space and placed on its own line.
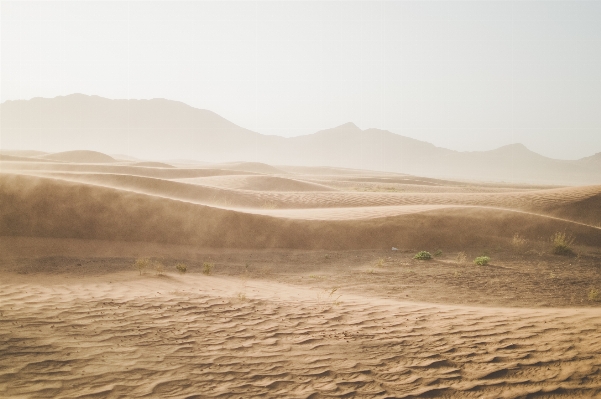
x=232 y=218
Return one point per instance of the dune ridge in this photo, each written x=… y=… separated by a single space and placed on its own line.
x=53 y=208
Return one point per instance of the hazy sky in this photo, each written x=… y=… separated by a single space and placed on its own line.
x=467 y=75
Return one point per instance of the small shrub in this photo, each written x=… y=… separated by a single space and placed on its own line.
x=241 y=296
x=461 y=257
x=562 y=243
x=518 y=241
x=438 y=253
x=207 y=268
x=423 y=255
x=380 y=262
x=481 y=260
x=159 y=268
x=181 y=267
x=593 y=295
x=141 y=264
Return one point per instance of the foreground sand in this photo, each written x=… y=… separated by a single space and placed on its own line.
x=196 y=336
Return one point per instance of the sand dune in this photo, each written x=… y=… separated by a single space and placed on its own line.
x=251 y=167
x=79 y=156
x=217 y=188
x=258 y=183
x=152 y=164
x=53 y=208
x=163 y=173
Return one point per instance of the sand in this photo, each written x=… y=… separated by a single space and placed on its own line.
x=306 y=298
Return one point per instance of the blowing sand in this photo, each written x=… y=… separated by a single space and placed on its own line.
x=306 y=298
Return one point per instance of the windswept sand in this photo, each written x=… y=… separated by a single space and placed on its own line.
x=306 y=299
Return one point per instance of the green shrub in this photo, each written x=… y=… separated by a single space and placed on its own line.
x=438 y=253
x=481 y=260
x=423 y=255
x=562 y=243
x=181 y=267
x=207 y=268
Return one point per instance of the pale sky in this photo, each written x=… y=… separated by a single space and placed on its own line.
x=467 y=75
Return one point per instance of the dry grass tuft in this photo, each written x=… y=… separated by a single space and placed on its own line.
x=159 y=268
x=181 y=267
x=141 y=264
x=562 y=243
x=207 y=268
x=518 y=242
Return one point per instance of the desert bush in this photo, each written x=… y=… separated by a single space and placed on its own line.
x=481 y=260
x=438 y=252
x=423 y=255
x=518 y=241
x=181 y=267
x=141 y=264
x=207 y=268
x=461 y=257
x=593 y=295
x=159 y=268
x=562 y=243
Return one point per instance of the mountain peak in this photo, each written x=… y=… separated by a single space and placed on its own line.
x=348 y=125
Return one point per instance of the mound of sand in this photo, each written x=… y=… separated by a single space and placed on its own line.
x=251 y=167
x=80 y=156
x=84 y=169
x=259 y=183
x=15 y=158
x=42 y=207
x=152 y=164
x=23 y=153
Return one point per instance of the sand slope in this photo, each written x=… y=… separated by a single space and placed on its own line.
x=194 y=337
x=54 y=208
x=80 y=156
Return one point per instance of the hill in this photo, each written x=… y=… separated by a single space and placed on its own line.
x=167 y=129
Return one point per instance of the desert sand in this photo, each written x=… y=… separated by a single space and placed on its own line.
x=292 y=288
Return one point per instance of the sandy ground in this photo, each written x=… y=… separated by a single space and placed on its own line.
x=305 y=298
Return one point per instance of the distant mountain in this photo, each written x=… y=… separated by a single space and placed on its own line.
x=164 y=129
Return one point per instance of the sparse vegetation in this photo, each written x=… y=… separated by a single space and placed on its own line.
x=593 y=295
x=461 y=257
x=518 y=242
x=481 y=260
x=181 y=267
x=438 y=252
x=207 y=268
x=159 y=268
x=241 y=296
x=380 y=262
x=562 y=243
x=423 y=255
x=141 y=264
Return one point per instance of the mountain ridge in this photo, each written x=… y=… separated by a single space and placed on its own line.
x=168 y=129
